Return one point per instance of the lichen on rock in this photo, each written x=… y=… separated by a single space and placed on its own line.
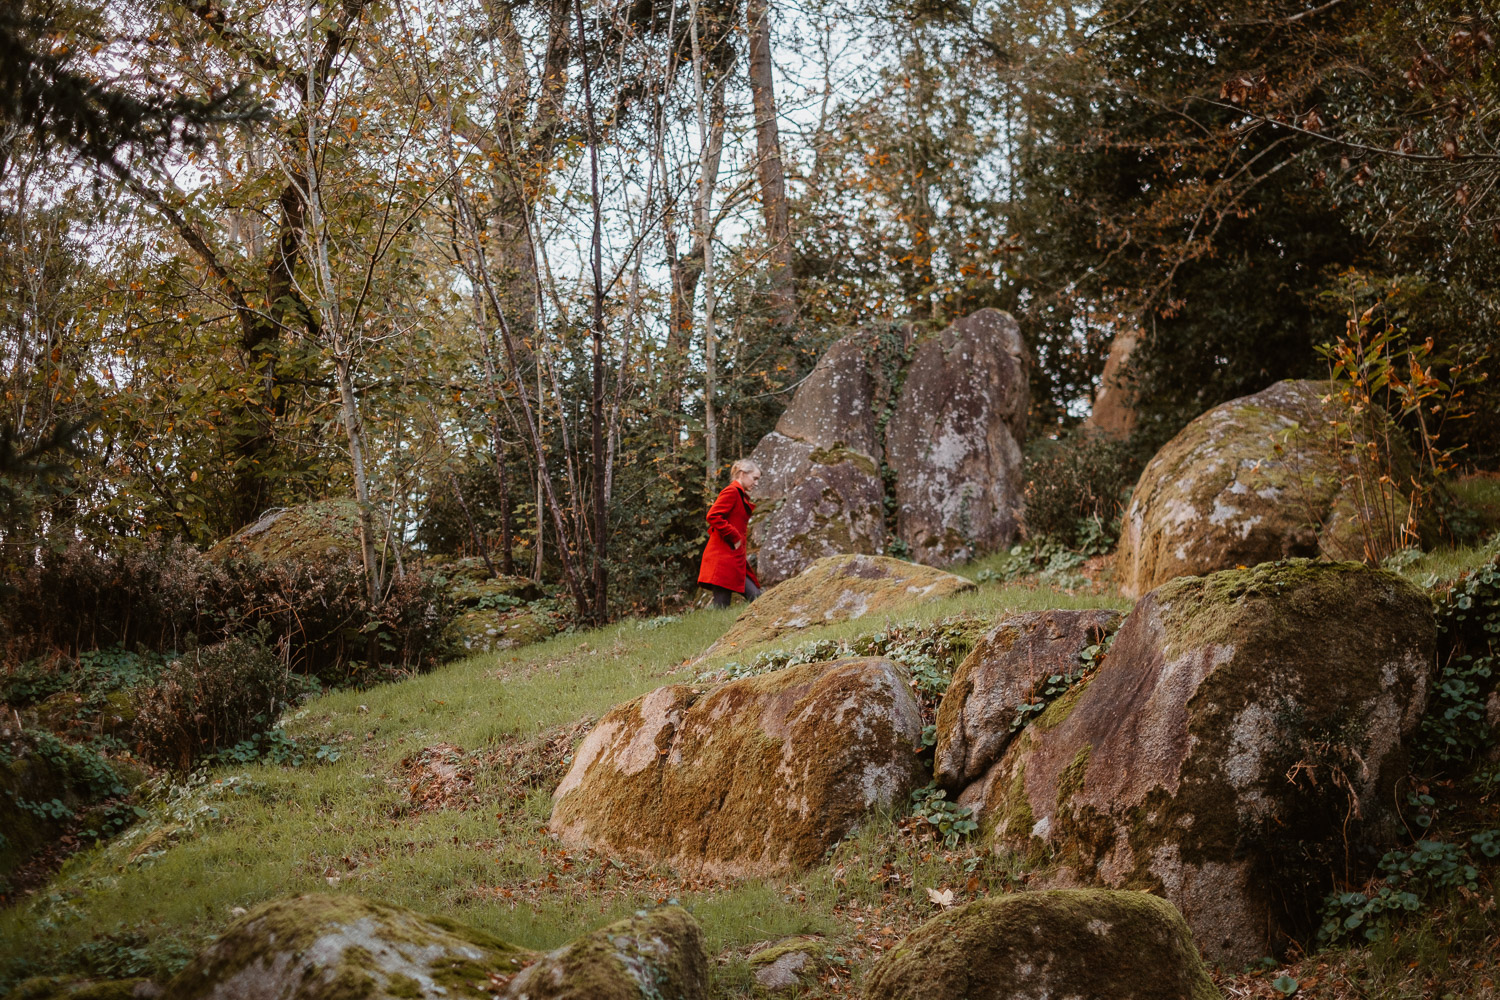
x=1059 y=943
x=760 y=775
x=834 y=589
x=306 y=532
x=1242 y=740
x=1252 y=480
x=1002 y=673
x=790 y=963
x=329 y=947
x=954 y=440
x=654 y=955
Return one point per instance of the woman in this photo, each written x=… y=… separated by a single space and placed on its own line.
x=724 y=569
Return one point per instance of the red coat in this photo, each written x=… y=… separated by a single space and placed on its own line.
x=723 y=563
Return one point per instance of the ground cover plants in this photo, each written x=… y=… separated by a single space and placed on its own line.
x=434 y=793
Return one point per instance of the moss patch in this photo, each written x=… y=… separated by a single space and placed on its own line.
x=1086 y=943
x=328 y=947
x=657 y=954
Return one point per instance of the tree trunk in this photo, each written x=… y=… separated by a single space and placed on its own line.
x=770 y=170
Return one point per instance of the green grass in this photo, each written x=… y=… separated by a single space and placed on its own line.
x=253 y=833
x=346 y=826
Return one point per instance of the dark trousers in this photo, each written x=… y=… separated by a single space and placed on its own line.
x=723 y=594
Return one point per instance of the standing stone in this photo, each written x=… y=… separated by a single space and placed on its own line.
x=1003 y=672
x=955 y=437
x=1241 y=743
x=820 y=491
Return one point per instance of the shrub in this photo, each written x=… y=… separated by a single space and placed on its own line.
x=160 y=598
x=1077 y=486
x=211 y=698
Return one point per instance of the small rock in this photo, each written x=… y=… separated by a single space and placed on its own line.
x=655 y=955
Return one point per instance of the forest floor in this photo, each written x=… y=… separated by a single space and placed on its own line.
x=434 y=793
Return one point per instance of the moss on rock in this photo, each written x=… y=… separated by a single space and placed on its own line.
x=1252 y=480
x=1062 y=943
x=760 y=775
x=1169 y=770
x=789 y=963
x=303 y=533
x=1006 y=669
x=834 y=589
x=655 y=955
x=482 y=631
x=327 y=947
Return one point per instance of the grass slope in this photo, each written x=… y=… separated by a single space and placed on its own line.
x=375 y=822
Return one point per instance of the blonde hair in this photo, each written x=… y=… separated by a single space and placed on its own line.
x=742 y=465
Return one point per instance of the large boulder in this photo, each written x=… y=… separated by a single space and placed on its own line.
x=1064 y=943
x=318 y=946
x=948 y=421
x=761 y=775
x=834 y=504
x=1007 y=669
x=326 y=528
x=835 y=589
x=1242 y=741
x=1252 y=480
x=654 y=955
x=820 y=491
x=955 y=437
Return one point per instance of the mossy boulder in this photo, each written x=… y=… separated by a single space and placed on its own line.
x=328 y=947
x=820 y=491
x=954 y=440
x=835 y=589
x=789 y=964
x=483 y=631
x=760 y=775
x=303 y=533
x=1252 y=480
x=1007 y=668
x=1064 y=943
x=835 y=505
x=470 y=584
x=1240 y=744
x=654 y=955
x=68 y=713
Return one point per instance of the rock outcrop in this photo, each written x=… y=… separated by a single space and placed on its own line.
x=316 y=947
x=1252 y=480
x=956 y=417
x=759 y=775
x=1063 y=943
x=654 y=955
x=1244 y=732
x=1006 y=670
x=836 y=589
x=955 y=437
x=312 y=530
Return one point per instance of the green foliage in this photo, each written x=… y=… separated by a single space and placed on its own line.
x=1051 y=563
x=274 y=746
x=1412 y=879
x=1468 y=617
x=951 y=821
x=211 y=698
x=95 y=672
x=84 y=769
x=1076 y=489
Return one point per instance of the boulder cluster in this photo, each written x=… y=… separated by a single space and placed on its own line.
x=942 y=418
x=1223 y=746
